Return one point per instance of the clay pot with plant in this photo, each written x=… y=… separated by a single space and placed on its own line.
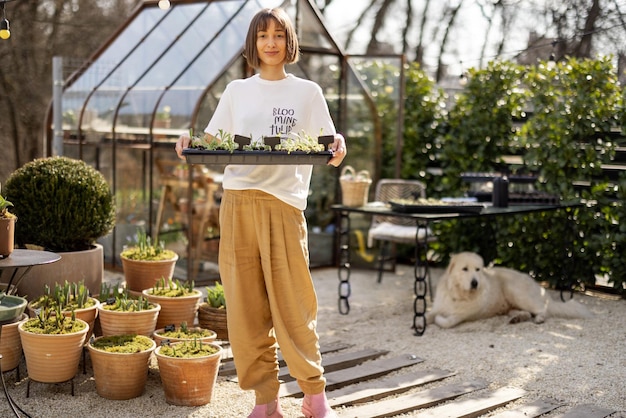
x=120 y=364
x=71 y=298
x=7 y=228
x=212 y=312
x=179 y=301
x=64 y=206
x=188 y=371
x=145 y=262
x=52 y=344
x=124 y=314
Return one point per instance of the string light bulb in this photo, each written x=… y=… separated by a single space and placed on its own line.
x=164 y=4
x=5 y=32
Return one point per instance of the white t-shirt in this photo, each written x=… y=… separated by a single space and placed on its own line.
x=258 y=107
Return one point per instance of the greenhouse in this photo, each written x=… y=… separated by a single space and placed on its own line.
x=162 y=74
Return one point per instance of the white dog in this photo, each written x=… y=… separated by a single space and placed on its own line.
x=468 y=291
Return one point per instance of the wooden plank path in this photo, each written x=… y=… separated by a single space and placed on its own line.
x=385 y=387
x=362 y=384
x=413 y=401
x=344 y=377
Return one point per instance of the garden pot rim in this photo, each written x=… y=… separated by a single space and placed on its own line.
x=197 y=293
x=157 y=352
x=101 y=308
x=85 y=329
x=148 y=350
x=167 y=260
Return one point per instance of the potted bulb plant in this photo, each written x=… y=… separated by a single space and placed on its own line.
x=188 y=371
x=145 y=262
x=71 y=298
x=52 y=344
x=64 y=206
x=120 y=364
x=7 y=228
x=179 y=301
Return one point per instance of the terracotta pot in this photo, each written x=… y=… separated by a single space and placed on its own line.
x=74 y=266
x=52 y=358
x=120 y=376
x=158 y=337
x=214 y=319
x=175 y=310
x=11 y=344
x=7 y=236
x=122 y=323
x=140 y=275
x=188 y=381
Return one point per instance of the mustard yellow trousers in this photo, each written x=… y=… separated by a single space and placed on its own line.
x=270 y=298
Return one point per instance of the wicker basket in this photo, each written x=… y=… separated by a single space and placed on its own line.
x=213 y=319
x=354 y=186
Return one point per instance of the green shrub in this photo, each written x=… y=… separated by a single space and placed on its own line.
x=63 y=204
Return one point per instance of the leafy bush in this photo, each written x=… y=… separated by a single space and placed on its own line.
x=63 y=204
x=575 y=105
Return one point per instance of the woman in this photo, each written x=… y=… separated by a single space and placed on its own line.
x=263 y=256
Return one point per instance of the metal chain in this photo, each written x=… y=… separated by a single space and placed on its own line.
x=344 y=264
x=420 y=288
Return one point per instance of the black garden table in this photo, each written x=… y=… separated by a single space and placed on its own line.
x=422 y=219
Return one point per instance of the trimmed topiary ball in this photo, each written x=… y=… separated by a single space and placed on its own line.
x=63 y=204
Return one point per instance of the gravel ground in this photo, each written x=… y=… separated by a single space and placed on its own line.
x=570 y=361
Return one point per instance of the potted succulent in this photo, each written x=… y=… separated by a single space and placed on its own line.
x=64 y=206
x=7 y=228
x=188 y=371
x=179 y=301
x=212 y=312
x=72 y=298
x=52 y=344
x=120 y=364
x=124 y=314
x=145 y=262
x=172 y=334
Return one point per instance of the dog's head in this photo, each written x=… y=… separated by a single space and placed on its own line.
x=465 y=275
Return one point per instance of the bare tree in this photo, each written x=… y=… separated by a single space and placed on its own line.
x=419 y=49
x=449 y=17
x=39 y=31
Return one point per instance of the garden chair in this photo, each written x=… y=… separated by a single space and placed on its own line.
x=389 y=231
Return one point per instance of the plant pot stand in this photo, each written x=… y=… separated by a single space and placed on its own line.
x=71 y=382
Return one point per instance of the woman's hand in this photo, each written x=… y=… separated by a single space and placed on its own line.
x=339 y=150
x=182 y=143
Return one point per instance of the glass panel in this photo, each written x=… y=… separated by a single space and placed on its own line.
x=77 y=93
x=312 y=33
x=114 y=53
x=193 y=20
x=99 y=112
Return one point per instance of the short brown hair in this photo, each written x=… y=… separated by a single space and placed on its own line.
x=260 y=22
